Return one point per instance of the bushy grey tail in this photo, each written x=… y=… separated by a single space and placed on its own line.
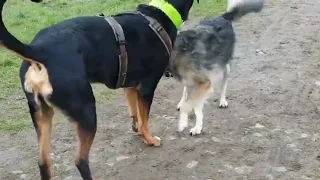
x=238 y=8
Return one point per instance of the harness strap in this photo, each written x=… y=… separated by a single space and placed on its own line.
x=160 y=32
x=120 y=38
x=123 y=56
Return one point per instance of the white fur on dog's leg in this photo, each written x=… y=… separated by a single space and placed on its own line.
x=183 y=98
x=223 y=103
x=199 y=121
x=158 y=138
x=223 y=100
x=183 y=122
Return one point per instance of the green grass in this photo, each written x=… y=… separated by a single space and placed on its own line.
x=24 y=19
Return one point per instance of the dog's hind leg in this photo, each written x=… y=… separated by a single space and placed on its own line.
x=42 y=115
x=132 y=98
x=223 y=101
x=183 y=98
x=85 y=138
x=196 y=101
x=83 y=113
x=185 y=108
x=199 y=97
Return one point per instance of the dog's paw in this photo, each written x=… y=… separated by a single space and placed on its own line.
x=223 y=103
x=156 y=141
x=157 y=138
x=178 y=107
x=181 y=103
x=195 y=130
x=182 y=126
x=134 y=125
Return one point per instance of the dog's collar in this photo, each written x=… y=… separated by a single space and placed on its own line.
x=169 y=10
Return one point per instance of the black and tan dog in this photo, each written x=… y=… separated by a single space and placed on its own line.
x=130 y=51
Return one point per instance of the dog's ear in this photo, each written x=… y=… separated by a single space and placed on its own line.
x=185 y=39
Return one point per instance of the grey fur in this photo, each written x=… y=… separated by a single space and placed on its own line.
x=212 y=41
x=202 y=55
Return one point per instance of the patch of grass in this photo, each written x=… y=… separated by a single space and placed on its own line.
x=24 y=19
x=208 y=8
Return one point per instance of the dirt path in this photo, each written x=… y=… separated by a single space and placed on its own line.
x=270 y=131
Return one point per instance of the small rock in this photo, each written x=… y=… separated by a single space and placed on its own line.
x=305 y=178
x=214 y=139
x=210 y=152
x=243 y=170
x=288 y=131
x=228 y=166
x=259 y=126
x=110 y=164
x=17 y=172
x=280 y=169
x=203 y=140
x=315 y=137
x=239 y=170
x=259 y=51
x=303 y=135
x=257 y=134
x=292 y=145
x=57 y=166
x=317 y=83
x=68 y=178
x=275 y=130
x=120 y=158
x=192 y=164
x=23 y=176
x=68 y=168
x=269 y=177
x=171 y=138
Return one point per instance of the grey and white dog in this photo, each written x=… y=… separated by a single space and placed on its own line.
x=201 y=57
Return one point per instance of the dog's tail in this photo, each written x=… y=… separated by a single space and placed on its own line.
x=239 y=8
x=7 y=40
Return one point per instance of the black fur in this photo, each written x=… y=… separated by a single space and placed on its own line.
x=83 y=50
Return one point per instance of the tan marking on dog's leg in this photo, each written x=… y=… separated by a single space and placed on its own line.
x=223 y=101
x=132 y=98
x=143 y=117
x=183 y=98
x=85 y=139
x=43 y=121
x=37 y=82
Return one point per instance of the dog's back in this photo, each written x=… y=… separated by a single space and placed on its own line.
x=210 y=45
x=200 y=50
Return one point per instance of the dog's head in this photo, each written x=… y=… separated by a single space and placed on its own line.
x=183 y=7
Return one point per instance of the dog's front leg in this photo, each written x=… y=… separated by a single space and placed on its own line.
x=132 y=99
x=144 y=101
x=223 y=101
x=183 y=98
x=196 y=101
